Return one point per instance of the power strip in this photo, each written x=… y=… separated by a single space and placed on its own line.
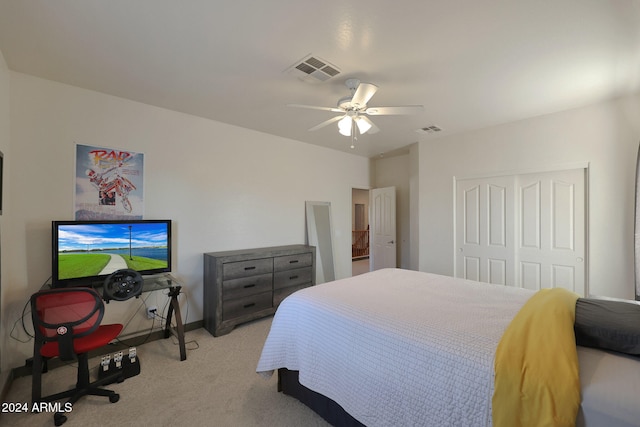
x=119 y=366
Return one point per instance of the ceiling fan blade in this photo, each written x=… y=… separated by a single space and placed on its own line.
x=326 y=122
x=315 y=107
x=399 y=110
x=363 y=94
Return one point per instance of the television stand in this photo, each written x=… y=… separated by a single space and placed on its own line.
x=167 y=281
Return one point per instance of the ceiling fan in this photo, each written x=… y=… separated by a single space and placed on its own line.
x=354 y=110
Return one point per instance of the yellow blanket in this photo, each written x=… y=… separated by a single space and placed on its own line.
x=537 y=379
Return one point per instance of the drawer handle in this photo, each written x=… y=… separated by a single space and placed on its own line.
x=249 y=286
x=293 y=261
x=250 y=268
x=249 y=305
x=293 y=277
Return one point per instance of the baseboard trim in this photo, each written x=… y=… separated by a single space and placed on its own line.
x=23 y=371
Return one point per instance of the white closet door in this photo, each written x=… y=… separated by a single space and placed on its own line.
x=551 y=229
x=485 y=228
x=523 y=230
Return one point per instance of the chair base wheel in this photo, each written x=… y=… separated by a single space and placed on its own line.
x=113 y=398
x=59 y=418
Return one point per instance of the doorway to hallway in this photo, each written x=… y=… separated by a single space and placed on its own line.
x=360 y=231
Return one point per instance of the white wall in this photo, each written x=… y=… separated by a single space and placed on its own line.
x=4 y=247
x=605 y=136
x=394 y=172
x=414 y=207
x=225 y=187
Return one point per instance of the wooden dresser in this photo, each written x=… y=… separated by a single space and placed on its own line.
x=243 y=285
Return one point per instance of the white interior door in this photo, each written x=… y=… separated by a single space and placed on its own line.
x=485 y=230
x=523 y=230
x=383 y=228
x=551 y=229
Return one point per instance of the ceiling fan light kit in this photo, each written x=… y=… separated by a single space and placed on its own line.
x=344 y=126
x=354 y=110
x=363 y=125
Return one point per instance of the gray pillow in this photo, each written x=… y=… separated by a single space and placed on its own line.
x=609 y=325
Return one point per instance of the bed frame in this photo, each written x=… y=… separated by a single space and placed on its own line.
x=328 y=409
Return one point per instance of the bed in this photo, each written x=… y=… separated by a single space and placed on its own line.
x=399 y=347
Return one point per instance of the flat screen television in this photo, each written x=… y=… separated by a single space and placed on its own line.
x=84 y=253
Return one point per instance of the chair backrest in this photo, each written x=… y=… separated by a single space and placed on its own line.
x=65 y=314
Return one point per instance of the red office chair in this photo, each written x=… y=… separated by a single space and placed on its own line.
x=67 y=325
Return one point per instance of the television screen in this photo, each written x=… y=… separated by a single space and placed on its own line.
x=85 y=252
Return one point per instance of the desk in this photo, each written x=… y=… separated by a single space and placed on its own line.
x=160 y=282
x=167 y=281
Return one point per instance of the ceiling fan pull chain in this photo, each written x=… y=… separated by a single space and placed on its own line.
x=353 y=134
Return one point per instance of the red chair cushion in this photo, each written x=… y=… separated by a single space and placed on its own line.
x=101 y=337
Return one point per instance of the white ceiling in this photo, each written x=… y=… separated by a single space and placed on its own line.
x=471 y=63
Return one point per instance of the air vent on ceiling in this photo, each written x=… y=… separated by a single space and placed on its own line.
x=429 y=129
x=313 y=69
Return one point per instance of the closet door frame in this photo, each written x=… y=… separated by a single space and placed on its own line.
x=506 y=268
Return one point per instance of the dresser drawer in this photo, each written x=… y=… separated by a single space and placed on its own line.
x=280 y=294
x=233 y=270
x=292 y=261
x=297 y=276
x=244 y=286
x=247 y=305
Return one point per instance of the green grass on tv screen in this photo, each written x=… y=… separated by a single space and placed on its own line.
x=71 y=266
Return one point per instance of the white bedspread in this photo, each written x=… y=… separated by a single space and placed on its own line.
x=396 y=347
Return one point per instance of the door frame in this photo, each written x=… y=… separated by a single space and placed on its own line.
x=541 y=169
x=351 y=212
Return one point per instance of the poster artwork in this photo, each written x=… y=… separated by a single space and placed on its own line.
x=108 y=184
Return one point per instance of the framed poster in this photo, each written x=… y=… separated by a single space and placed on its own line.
x=109 y=183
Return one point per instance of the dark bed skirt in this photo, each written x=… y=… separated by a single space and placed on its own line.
x=328 y=409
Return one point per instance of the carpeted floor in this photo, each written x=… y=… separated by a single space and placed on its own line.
x=360 y=266
x=216 y=386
